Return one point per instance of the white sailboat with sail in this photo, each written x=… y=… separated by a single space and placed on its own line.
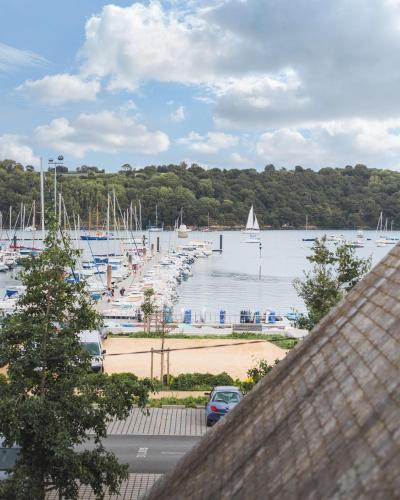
x=252 y=227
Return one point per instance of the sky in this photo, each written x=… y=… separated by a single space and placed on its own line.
x=221 y=83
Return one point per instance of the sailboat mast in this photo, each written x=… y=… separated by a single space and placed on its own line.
x=42 y=196
x=55 y=190
x=156 y=215
x=114 y=211
x=10 y=217
x=136 y=219
x=380 y=223
x=59 y=209
x=108 y=214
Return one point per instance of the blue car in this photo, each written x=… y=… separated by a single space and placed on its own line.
x=222 y=399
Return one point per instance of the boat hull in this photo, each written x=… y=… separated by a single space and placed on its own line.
x=93 y=238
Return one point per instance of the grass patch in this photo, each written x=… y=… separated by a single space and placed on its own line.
x=279 y=340
x=189 y=402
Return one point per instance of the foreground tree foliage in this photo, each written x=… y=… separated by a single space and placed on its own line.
x=347 y=197
x=50 y=401
x=334 y=273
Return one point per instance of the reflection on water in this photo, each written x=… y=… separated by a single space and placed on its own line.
x=241 y=277
x=250 y=277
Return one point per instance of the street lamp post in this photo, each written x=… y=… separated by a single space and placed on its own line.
x=56 y=164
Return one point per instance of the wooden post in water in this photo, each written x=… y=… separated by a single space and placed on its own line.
x=220 y=242
x=158 y=243
x=151 y=364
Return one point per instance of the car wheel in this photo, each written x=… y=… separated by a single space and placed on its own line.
x=209 y=422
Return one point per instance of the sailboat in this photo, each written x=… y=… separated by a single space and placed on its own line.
x=183 y=231
x=156 y=229
x=252 y=226
x=381 y=231
x=207 y=229
x=307 y=239
x=99 y=235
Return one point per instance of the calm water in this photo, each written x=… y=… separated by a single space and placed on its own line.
x=240 y=278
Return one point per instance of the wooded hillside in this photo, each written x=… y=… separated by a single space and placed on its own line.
x=331 y=198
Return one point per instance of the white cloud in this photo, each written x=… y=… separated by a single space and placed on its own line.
x=256 y=101
x=334 y=143
x=10 y=57
x=178 y=115
x=135 y=43
x=57 y=89
x=268 y=64
x=240 y=160
x=210 y=143
x=14 y=147
x=287 y=146
x=107 y=132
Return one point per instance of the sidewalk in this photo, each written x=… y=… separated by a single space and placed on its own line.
x=134 y=488
x=162 y=421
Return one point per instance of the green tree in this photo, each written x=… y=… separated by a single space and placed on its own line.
x=149 y=308
x=50 y=401
x=334 y=274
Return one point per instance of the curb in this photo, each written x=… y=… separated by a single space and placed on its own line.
x=176 y=407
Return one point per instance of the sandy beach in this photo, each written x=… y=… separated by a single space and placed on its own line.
x=235 y=357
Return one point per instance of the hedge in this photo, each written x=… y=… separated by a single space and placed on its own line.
x=199 y=381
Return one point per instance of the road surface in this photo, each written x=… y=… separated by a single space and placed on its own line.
x=149 y=454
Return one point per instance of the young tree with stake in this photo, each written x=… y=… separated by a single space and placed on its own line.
x=334 y=274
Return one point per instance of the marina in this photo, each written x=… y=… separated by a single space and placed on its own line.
x=210 y=283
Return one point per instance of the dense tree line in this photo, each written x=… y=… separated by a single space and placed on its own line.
x=330 y=198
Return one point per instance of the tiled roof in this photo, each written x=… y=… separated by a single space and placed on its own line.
x=324 y=423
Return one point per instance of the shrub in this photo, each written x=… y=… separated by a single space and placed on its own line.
x=199 y=381
x=256 y=373
x=189 y=402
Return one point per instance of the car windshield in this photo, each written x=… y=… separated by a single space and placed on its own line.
x=226 y=397
x=8 y=457
x=92 y=348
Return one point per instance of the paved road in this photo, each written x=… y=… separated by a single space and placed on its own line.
x=149 y=454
